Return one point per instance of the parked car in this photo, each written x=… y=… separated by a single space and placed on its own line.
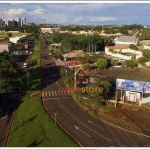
x=25 y=65
x=117 y=66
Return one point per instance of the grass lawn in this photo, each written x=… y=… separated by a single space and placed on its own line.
x=32 y=126
x=3 y=35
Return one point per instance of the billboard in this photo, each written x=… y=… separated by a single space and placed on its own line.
x=132 y=85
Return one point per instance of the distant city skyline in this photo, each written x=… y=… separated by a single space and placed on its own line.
x=79 y=13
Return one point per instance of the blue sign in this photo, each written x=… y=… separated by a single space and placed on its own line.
x=132 y=85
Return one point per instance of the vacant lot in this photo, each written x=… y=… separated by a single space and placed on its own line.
x=130 y=74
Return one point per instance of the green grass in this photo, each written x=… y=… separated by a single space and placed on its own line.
x=3 y=35
x=32 y=126
x=39 y=129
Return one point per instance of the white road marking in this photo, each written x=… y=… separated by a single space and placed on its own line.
x=77 y=128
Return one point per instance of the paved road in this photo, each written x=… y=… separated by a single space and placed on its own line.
x=8 y=103
x=86 y=130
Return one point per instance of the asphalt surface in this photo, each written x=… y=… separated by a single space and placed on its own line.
x=85 y=129
x=8 y=105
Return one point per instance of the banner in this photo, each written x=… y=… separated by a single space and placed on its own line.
x=132 y=85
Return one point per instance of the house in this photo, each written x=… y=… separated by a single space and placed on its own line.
x=6 y=46
x=122 y=52
x=74 y=54
x=126 y=40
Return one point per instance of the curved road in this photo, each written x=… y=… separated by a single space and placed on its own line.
x=86 y=130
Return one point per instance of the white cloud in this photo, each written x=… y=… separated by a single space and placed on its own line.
x=78 y=19
x=101 y=19
x=12 y=12
x=39 y=11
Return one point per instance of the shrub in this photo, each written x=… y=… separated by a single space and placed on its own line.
x=132 y=46
x=131 y=63
x=146 y=53
x=142 y=60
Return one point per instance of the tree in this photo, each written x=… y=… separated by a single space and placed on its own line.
x=114 y=62
x=142 y=60
x=131 y=63
x=9 y=34
x=87 y=66
x=10 y=73
x=101 y=63
x=146 y=53
x=132 y=46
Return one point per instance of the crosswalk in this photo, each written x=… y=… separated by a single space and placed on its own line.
x=9 y=96
x=54 y=93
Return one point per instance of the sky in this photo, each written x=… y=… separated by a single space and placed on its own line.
x=112 y=13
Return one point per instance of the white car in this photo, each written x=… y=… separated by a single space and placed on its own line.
x=117 y=66
x=25 y=65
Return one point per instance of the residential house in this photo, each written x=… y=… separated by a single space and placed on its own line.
x=126 y=40
x=74 y=54
x=6 y=46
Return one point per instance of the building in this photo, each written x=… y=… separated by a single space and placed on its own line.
x=126 y=40
x=2 y=51
x=18 y=20
x=122 y=52
x=74 y=54
x=6 y=47
x=50 y=30
x=23 y=21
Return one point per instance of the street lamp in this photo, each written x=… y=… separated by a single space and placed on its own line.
x=55 y=114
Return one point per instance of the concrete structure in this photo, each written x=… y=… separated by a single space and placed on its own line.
x=120 y=50
x=15 y=39
x=126 y=40
x=6 y=46
x=50 y=30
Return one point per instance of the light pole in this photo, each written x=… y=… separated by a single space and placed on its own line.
x=55 y=114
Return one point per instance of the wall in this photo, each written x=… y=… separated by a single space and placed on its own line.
x=138 y=53
x=145 y=100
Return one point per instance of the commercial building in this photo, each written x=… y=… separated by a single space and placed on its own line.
x=50 y=30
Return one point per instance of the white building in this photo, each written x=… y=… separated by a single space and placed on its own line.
x=15 y=39
x=126 y=40
x=50 y=30
x=23 y=21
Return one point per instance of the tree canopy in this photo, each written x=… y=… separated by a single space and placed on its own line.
x=10 y=74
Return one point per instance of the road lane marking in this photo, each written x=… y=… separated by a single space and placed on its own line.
x=55 y=93
x=42 y=94
x=82 y=123
x=58 y=93
x=15 y=96
x=8 y=96
x=95 y=124
x=68 y=92
x=11 y=96
x=77 y=128
x=52 y=93
x=47 y=99
x=49 y=93
x=46 y=93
